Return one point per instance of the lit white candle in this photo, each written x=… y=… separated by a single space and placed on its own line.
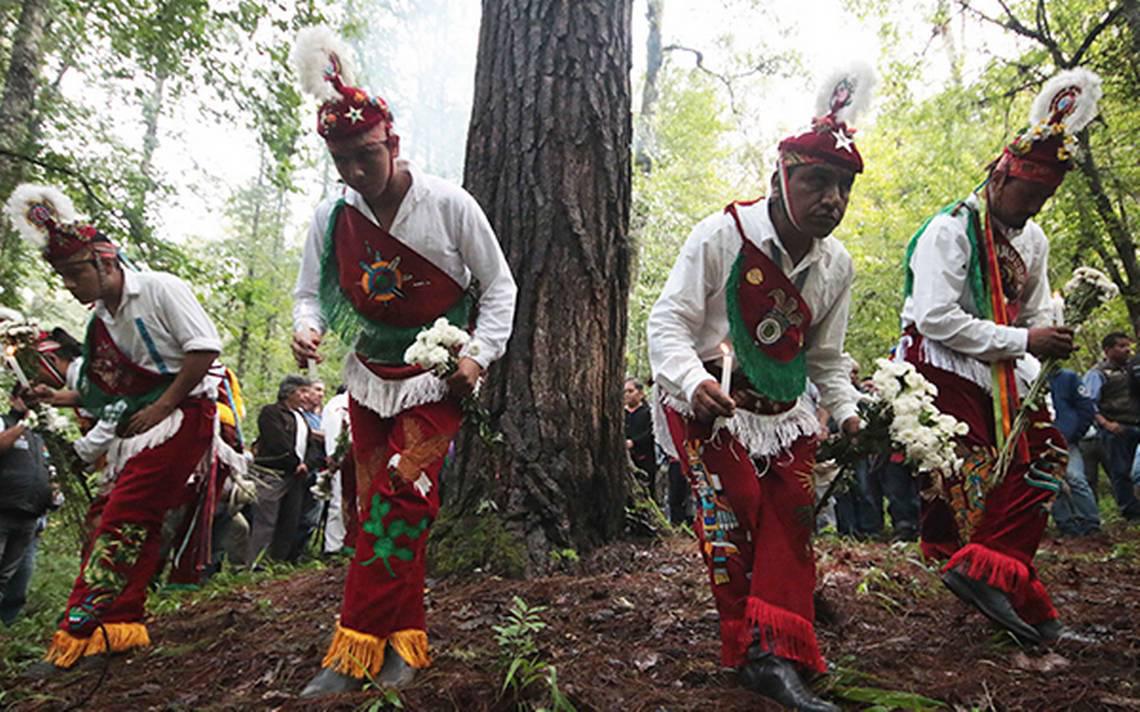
x=14 y=365
x=312 y=367
x=1058 y=309
x=726 y=369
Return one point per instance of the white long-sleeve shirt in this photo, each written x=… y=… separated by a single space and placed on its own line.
x=444 y=224
x=158 y=322
x=689 y=322
x=942 y=309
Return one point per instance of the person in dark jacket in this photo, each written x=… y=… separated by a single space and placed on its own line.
x=1117 y=418
x=639 y=432
x=283 y=437
x=1075 y=511
x=25 y=489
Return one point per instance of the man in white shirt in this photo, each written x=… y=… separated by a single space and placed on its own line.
x=766 y=283
x=396 y=251
x=978 y=309
x=336 y=426
x=147 y=353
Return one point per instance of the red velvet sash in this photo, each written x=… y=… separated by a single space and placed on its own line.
x=109 y=369
x=771 y=306
x=384 y=279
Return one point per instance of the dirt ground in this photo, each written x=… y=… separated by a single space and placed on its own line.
x=634 y=629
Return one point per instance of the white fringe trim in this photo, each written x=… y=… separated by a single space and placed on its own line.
x=974 y=370
x=123 y=449
x=761 y=435
x=388 y=398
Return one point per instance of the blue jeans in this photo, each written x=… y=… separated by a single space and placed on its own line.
x=1075 y=511
x=859 y=510
x=17 y=575
x=1120 y=452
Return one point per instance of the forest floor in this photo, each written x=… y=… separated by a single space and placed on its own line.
x=633 y=628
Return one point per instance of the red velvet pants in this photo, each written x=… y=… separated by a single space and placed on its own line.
x=767 y=597
x=397 y=464
x=991 y=533
x=124 y=549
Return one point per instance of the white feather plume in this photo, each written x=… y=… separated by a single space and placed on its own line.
x=29 y=194
x=7 y=314
x=861 y=80
x=310 y=57
x=1085 y=109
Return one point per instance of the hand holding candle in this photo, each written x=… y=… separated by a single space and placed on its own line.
x=726 y=369
x=11 y=362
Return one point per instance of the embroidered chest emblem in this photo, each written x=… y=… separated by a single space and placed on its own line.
x=382 y=280
x=105 y=366
x=783 y=315
x=1014 y=273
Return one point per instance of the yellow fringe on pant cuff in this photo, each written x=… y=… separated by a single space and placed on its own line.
x=66 y=650
x=362 y=655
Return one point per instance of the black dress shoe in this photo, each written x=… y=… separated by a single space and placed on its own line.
x=1054 y=631
x=44 y=670
x=777 y=679
x=331 y=682
x=994 y=604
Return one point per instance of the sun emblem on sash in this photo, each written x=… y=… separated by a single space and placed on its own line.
x=382 y=280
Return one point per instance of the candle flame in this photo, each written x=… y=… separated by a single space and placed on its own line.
x=11 y=350
x=725 y=348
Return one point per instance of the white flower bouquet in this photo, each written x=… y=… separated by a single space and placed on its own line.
x=437 y=348
x=899 y=416
x=1086 y=291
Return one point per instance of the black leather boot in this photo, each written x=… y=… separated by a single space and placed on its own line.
x=777 y=679
x=331 y=682
x=994 y=604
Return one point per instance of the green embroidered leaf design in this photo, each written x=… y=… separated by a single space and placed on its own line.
x=385 y=547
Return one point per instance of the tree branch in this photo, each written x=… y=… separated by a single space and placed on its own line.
x=725 y=79
x=1095 y=32
x=58 y=169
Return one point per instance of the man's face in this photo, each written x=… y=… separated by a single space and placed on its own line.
x=1119 y=352
x=44 y=375
x=82 y=276
x=298 y=399
x=818 y=194
x=1013 y=201
x=631 y=395
x=364 y=162
x=316 y=395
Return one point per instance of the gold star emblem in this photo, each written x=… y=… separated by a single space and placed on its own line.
x=355 y=114
x=755 y=276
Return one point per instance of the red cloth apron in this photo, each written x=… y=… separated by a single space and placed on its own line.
x=389 y=283
x=762 y=570
x=993 y=534
x=123 y=552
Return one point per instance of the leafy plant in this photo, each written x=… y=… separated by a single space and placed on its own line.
x=519 y=656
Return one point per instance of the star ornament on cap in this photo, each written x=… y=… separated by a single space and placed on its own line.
x=843 y=140
x=355 y=114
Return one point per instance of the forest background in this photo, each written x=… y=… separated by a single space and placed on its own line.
x=178 y=126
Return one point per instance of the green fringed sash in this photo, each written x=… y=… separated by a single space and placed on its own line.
x=377 y=341
x=975 y=275
x=780 y=381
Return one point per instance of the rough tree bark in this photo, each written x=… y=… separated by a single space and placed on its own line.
x=548 y=158
x=17 y=114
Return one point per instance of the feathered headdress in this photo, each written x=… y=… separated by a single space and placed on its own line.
x=1043 y=153
x=842 y=97
x=48 y=220
x=324 y=66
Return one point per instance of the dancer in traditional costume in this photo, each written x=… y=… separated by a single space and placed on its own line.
x=396 y=250
x=977 y=311
x=763 y=284
x=147 y=352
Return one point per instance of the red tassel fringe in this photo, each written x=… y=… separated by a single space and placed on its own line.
x=1003 y=572
x=781 y=633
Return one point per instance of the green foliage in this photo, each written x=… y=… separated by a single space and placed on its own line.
x=688 y=182
x=462 y=544
x=520 y=658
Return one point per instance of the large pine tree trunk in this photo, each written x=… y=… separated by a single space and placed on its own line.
x=548 y=158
